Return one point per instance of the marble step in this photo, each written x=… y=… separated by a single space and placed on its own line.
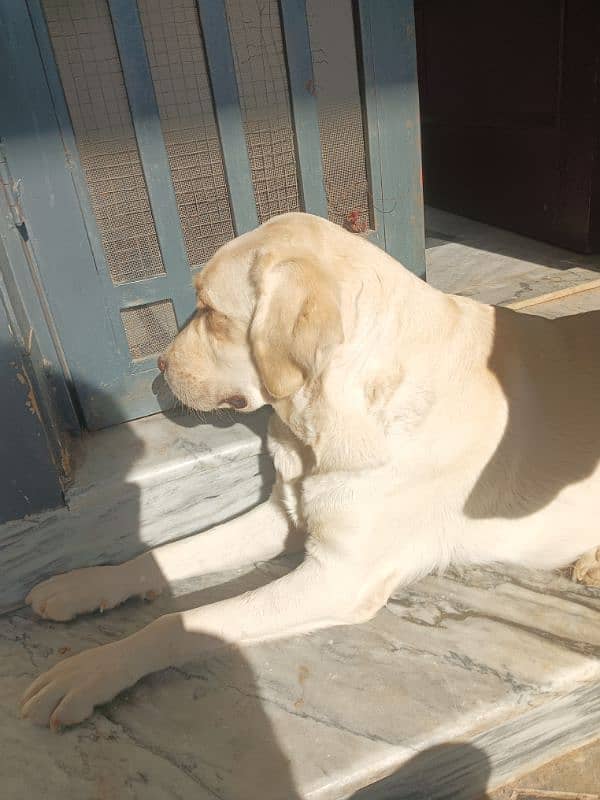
x=461 y=683
x=136 y=486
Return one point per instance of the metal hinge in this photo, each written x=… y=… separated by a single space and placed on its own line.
x=12 y=191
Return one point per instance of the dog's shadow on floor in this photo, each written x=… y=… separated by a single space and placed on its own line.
x=212 y=722
x=217 y=718
x=207 y=729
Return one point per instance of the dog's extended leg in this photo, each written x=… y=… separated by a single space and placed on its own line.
x=312 y=596
x=259 y=535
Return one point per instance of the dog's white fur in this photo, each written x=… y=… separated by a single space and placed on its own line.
x=412 y=429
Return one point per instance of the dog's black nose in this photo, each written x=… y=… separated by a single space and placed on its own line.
x=161 y=364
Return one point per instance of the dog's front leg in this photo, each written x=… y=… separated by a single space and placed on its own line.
x=315 y=595
x=259 y=535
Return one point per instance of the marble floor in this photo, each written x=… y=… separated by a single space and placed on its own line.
x=497 y=266
x=458 y=683
x=461 y=683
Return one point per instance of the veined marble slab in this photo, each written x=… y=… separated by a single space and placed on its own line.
x=461 y=683
x=139 y=485
x=498 y=266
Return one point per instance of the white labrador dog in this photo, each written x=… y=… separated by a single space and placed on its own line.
x=411 y=429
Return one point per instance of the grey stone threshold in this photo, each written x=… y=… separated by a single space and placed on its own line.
x=497 y=266
x=465 y=770
x=139 y=485
x=460 y=684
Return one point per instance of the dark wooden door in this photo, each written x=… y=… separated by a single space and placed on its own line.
x=509 y=103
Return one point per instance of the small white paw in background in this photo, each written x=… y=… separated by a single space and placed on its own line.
x=587 y=569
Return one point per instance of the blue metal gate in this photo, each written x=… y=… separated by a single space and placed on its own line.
x=139 y=136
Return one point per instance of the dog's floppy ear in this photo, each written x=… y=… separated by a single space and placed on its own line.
x=296 y=324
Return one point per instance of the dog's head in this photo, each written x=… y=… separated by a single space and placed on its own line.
x=267 y=321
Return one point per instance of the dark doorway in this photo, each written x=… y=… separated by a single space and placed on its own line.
x=510 y=118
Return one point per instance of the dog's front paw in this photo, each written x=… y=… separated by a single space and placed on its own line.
x=67 y=693
x=587 y=568
x=94 y=588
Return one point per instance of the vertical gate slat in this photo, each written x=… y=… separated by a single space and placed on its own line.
x=372 y=130
x=219 y=54
x=68 y=135
x=153 y=153
x=20 y=280
x=57 y=236
x=390 y=62
x=304 y=105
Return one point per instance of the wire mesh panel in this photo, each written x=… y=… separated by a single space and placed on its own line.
x=226 y=85
x=149 y=328
x=90 y=71
x=179 y=73
x=257 y=43
x=335 y=68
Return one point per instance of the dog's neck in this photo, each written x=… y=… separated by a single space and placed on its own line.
x=401 y=349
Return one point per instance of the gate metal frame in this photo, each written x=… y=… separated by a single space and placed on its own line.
x=63 y=237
